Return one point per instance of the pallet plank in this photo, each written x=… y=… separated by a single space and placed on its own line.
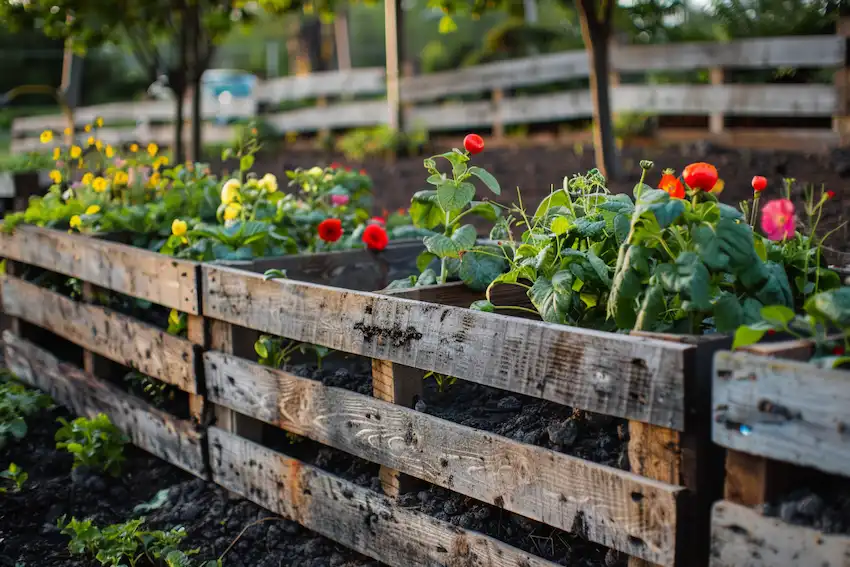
x=360 y=519
x=613 y=507
x=741 y=537
x=155 y=431
x=140 y=273
x=632 y=377
x=781 y=409
x=102 y=331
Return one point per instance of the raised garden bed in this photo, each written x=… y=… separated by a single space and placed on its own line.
x=783 y=422
x=654 y=382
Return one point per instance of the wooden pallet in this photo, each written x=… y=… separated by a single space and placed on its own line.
x=654 y=514
x=106 y=336
x=780 y=419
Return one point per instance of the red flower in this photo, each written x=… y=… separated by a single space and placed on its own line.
x=700 y=176
x=375 y=237
x=363 y=172
x=830 y=194
x=759 y=183
x=838 y=351
x=348 y=169
x=473 y=143
x=336 y=165
x=330 y=230
x=671 y=184
x=771 y=332
x=379 y=220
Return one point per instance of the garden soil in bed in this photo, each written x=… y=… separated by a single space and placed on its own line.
x=825 y=508
x=29 y=536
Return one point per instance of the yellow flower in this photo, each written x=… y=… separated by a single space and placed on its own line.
x=134 y=148
x=93 y=210
x=76 y=221
x=87 y=128
x=76 y=151
x=99 y=184
x=46 y=137
x=160 y=161
x=56 y=176
x=67 y=131
x=110 y=152
x=98 y=122
x=121 y=178
x=90 y=141
x=98 y=144
x=268 y=182
x=88 y=178
x=230 y=191
x=154 y=180
x=315 y=171
x=718 y=187
x=57 y=153
x=179 y=227
x=152 y=149
x=232 y=211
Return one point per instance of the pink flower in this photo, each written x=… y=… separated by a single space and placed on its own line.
x=777 y=219
x=339 y=200
x=119 y=163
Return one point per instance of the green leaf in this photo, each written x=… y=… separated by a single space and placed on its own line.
x=832 y=306
x=454 y=198
x=689 y=277
x=560 y=225
x=274 y=274
x=627 y=284
x=424 y=211
x=442 y=246
x=777 y=315
x=659 y=203
x=728 y=313
x=17 y=427
x=483 y=305
x=487 y=178
x=487 y=211
x=553 y=305
x=478 y=270
x=427 y=277
x=747 y=335
x=558 y=198
x=465 y=237
x=246 y=163
x=424 y=260
x=651 y=308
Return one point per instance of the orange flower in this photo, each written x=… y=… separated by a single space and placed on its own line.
x=700 y=176
x=671 y=184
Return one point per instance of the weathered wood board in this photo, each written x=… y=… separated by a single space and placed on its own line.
x=782 y=409
x=115 y=336
x=612 y=507
x=632 y=377
x=353 y=516
x=132 y=271
x=153 y=430
x=741 y=537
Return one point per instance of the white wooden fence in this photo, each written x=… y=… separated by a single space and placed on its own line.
x=428 y=98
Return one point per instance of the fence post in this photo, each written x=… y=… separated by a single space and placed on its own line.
x=392 y=24
x=841 y=120
x=716 y=120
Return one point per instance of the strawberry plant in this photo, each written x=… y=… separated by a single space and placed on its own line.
x=17 y=402
x=16 y=475
x=95 y=443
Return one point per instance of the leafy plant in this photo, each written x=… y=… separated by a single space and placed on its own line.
x=127 y=544
x=17 y=402
x=381 y=141
x=276 y=352
x=158 y=392
x=444 y=382
x=16 y=475
x=95 y=443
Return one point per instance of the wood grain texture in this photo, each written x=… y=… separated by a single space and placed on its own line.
x=613 y=507
x=132 y=271
x=117 y=337
x=785 y=410
x=153 y=430
x=360 y=519
x=334 y=83
x=740 y=537
x=631 y=377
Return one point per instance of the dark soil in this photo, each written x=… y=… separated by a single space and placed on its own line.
x=826 y=509
x=595 y=437
x=30 y=537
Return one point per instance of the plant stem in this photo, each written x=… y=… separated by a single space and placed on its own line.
x=517 y=308
x=443 y=267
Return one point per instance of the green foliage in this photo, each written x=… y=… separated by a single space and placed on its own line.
x=128 y=544
x=443 y=381
x=157 y=392
x=23 y=163
x=17 y=402
x=381 y=141
x=95 y=443
x=16 y=475
x=276 y=352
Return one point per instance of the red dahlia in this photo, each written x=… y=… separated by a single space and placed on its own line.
x=375 y=237
x=330 y=230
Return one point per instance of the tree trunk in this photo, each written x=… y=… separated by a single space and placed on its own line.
x=177 y=82
x=596 y=32
x=179 y=91
x=199 y=63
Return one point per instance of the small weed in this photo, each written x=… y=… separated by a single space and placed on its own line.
x=156 y=391
x=444 y=382
x=15 y=474
x=95 y=443
x=276 y=352
x=17 y=402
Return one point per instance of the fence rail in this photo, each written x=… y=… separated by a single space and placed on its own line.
x=424 y=96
